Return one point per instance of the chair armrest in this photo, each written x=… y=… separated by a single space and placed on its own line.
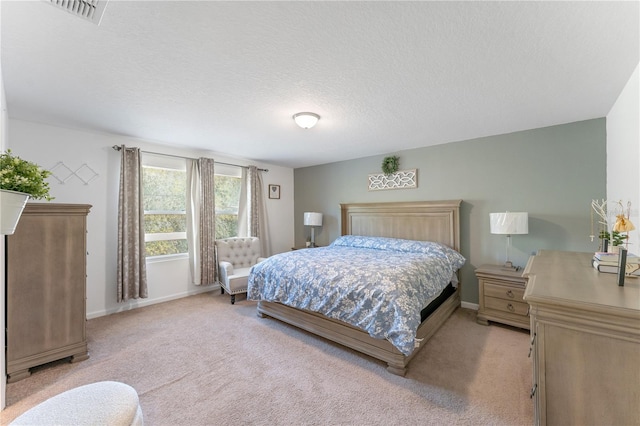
x=226 y=270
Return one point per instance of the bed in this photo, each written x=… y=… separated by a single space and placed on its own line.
x=433 y=221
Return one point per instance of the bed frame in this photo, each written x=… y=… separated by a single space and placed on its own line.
x=425 y=221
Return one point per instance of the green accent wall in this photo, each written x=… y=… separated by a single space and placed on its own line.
x=552 y=173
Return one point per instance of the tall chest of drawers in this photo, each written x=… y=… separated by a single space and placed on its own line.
x=585 y=334
x=46 y=287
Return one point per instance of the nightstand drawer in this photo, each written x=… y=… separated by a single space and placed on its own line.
x=512 y=307
x=503 y=292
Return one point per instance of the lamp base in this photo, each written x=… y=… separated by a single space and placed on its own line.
x=508 y=266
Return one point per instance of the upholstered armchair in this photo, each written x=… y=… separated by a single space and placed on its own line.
x=236 y=256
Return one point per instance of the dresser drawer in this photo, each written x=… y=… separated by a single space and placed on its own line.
x=512 y=307
x=503 y=292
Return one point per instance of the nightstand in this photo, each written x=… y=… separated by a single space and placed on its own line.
x=300 y=248
x=501 y=292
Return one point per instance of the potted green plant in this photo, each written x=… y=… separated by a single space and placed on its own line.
x=616 y=238
x=19 y=180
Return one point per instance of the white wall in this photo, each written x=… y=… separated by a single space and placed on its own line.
x=4 y=119
x=623 y=153
x=47 y=145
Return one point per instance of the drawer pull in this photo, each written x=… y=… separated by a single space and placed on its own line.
x=533 y=391
x=533 y=339
x=510 y=307
x=510 y=294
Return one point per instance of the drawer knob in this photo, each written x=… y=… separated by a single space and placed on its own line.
x=510 y=294
x=510 y=307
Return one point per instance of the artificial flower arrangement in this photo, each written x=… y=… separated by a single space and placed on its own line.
x=622 y=223
x=23 y=176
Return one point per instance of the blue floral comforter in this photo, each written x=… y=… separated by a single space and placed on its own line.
x=377 y=284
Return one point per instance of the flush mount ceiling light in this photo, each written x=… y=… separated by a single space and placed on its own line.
x=306 y=120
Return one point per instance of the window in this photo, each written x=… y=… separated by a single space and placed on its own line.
x=164 y=198
x=228 y=184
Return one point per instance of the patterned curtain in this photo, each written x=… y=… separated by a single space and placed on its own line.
x=206 y=230
x=132 y=272
x=201 y=221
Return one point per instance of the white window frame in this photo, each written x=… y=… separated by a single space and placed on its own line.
x=229 y=171
x=168 y=163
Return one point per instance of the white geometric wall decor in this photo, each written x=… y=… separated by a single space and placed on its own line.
x=400 y=180
x=62 y=173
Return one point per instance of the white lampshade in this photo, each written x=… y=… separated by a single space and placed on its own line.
x=312 y=219
x=509 y=223
x=306 y=120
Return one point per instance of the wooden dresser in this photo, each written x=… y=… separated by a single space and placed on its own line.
x=46 y=287
x=585 y=333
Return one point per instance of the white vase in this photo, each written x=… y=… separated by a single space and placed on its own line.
x=11 y=205
x=614 y=249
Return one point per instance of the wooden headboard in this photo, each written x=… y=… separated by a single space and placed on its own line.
x=437 y=221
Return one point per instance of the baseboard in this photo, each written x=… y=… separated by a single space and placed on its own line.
x=141 y=303
x=468 y=305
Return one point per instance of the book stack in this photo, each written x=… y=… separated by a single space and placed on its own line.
x=608 y=262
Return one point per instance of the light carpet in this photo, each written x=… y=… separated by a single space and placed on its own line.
x=201 y=361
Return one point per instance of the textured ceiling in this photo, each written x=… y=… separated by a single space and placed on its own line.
x=384 y=76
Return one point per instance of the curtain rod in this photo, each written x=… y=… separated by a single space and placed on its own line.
x=118 y=148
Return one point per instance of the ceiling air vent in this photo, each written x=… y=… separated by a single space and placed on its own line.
x=91 y=10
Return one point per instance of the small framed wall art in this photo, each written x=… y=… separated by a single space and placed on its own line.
x=274 y=192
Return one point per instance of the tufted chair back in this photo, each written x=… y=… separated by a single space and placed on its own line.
x=236 y=256
x=240 y=252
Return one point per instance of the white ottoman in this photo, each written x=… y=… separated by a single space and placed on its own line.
x=101 y=403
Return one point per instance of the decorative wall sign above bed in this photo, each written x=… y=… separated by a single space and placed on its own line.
x=399 y=180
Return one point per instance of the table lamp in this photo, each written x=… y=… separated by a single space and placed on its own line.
x=509 y=223
x=313 y=219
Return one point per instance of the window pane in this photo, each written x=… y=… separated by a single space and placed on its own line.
x=164 y=189
x=160 y=223
x=160 y=248
x=227 y=194
x=164 y=198
x=227 y=203
x=226 y=225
